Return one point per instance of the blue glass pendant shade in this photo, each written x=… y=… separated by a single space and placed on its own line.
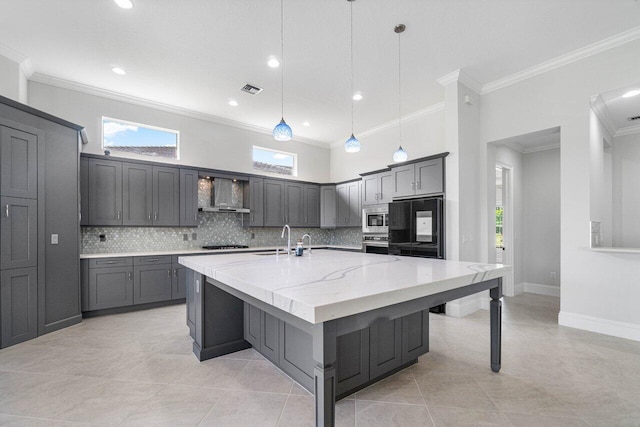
x=282 y=131
x=400 y=155
x=352 y=145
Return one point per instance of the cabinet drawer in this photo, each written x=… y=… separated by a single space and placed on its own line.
x=152 y=260
x=110 y=262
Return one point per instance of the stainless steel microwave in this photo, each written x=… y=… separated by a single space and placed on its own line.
x=375 y=219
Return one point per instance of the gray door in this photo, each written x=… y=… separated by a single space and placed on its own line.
x=188 y=198
x=312 y=205
x=18 y=228
x=415 y=335
x=178 y=282
x=191 y=303
x=137 y=194
x=386 y=340
x=296 y=354
x=166 y=196
x=18 y=163
x=385 y=187
x=105 y=190
x=355 y=211
x=253 y=325
x=429 y=177
x=273 y=203
x=370 y=191
x=403 y=181
x=18 y=305
x=328 y=206
x=342 y=202
x=352 y=364
x=270 y=337
x=256 y=202
x=84 y=191
x=294 y=204
x=110 y=287
x=151 y=283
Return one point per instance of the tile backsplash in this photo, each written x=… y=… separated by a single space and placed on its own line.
x=214 y=228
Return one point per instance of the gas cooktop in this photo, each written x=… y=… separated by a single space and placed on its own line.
x=214 y=247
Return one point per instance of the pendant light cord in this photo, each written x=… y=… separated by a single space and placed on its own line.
x=399 y=92
x=351 y=9
x=282 y=58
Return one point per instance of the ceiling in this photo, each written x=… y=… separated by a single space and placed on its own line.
x=197 y=54
x=620 y=109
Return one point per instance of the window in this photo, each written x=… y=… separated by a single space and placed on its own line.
x=129 y=137
x=273 y=161
x=499 y=225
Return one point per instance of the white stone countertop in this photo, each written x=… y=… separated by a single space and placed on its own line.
x=208 y=251
x=618 y=250
x=327 y=285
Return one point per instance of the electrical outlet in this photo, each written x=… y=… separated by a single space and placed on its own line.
x=253 y=235
x=194 y=236
x=554 y=275
x=185 y=237
x=103 y=237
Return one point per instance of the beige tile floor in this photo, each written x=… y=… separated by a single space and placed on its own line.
x=138 y=369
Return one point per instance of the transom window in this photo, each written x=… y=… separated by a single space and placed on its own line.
x=129 y=137
x=274 y=161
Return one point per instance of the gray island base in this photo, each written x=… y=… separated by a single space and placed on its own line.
x=335 y=322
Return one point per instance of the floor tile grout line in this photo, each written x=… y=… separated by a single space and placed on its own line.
x=423 y=399
x=282 y=410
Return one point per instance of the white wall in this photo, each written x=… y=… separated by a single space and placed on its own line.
x=599 y=291
x=9 y=78
x=626 y=196
x=202 y=143
x=541 y=217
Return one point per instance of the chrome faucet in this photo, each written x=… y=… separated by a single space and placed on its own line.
x=286 y=227
x=306 y=235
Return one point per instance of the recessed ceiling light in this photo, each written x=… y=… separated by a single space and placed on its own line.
x=631 y=93
x=306 y=124
x=357 y=96
x=125 y=4
x=273 y=62
x=119 y=71
x=233 y=102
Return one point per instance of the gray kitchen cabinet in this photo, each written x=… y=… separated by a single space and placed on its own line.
x=342 y=205
x=166 y=196
x=403 y=181
x=18 y=305
x=105 y=192
x=18 y=163
x=296 y=353
x=369 y=190
x=110 y=287
x=311 y=205
x=415 y=335
x=152 y=279
x=270 y=337
x=256 y=202
x=348 y=204
x=294 y=204
x=386 y=346
x=421 y=178
x=377 y=188
x=352 y=363
x=191 y=303
x=18 y=228
x=178 y=281
x=84 y=191
x=355 y=209
x=253 y=326
x=137 y=194
x=328 y=206
x=188 y=198
x=274 y=196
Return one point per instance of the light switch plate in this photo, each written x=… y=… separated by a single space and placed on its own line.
x=54 y=239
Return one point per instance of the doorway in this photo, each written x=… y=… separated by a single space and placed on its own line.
x=504 y=222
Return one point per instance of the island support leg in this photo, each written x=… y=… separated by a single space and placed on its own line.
x=324 y=356
x=496 y=327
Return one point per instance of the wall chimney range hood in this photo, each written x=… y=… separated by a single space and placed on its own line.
x=219 y=194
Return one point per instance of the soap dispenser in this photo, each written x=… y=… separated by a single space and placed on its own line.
x=299 y=248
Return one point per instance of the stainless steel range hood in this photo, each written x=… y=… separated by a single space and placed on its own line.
x=227 y=196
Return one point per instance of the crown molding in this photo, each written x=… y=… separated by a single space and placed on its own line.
x=539 y=148
x=628 y=130
x=27 y=68
x=599 y=107
x=562 y=60
x=13 y=55
x=117 y=96
x=461 y=77
x=423 y=112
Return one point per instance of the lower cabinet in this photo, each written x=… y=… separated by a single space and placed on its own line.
x=110 y=287
x=18 y=305
x=152 y=283
x=179 y=279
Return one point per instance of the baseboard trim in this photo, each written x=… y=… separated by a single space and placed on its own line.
x=630 y=331
x=537 y=288
x=519 y=288
x=463 y=307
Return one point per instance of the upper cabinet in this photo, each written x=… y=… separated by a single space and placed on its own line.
x=293 y=203
x=188 y=197
x=19 y=168
x=377 y=188
x=105 y=192
x=274 y=203
x=348 y=205
x=328 y=206
x=256 y=202
x=311 y=205
x=166 y=196
x=420 y=178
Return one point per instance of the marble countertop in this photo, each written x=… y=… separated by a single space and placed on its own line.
x=206 y=251
x=328 y=285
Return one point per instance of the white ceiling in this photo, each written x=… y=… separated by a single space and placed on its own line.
x=197 y=54
x=620 y=109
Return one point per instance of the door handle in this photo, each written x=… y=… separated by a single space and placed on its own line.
x=152 y=259
x=149 y=216
x=175 y=272
x=195 y=216
x=6 y=211
x=130 y=276
x=419 y=185
x=118 y=216
x=413 y=185
x=155 y=216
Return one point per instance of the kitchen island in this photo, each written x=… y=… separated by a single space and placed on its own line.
x=334 y=321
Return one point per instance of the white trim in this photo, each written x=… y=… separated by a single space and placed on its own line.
x=104 y=93
x=540 y=289
x=463 y=307
x=600 y=108
x=518 y=288
x=538 y=148
x=461 y=77
x=614 y=328
x=13 y=55
x=629 y=130
x=27 y=68
x=423 y=112
x=562 y=60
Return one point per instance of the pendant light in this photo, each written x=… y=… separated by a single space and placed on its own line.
x=282 y=131
x=352 y=145
x=400 y=155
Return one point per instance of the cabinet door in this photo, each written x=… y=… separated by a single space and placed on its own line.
x=166 y=196
x=84 y=191
x=342 y=202
x=386 y=340
x=178 y=282
x=188 y=198
x=355 y=211
x=151 y=283
x=137 y=194
x=328 y=206
x=110 y=287
x=385 y=187
x=270 y=337
x=370 y=191
x=18 y=228
x=403 y=181
x=312 y=205
x=252 y=325
x=296 y=354
x=294 y=204
x=18 y=163
x=415 y=335
x=105 y=189
x=273 y=203
x=18 y=305
x=256 y=202
x=191 y=303
x=352 y=364
x=429 y=177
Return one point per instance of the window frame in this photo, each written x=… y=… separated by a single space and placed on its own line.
x=141 y=125
x=294 y=171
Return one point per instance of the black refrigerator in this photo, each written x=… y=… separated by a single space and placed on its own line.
x=416 y=228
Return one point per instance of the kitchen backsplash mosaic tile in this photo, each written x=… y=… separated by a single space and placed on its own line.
x=214 y=228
